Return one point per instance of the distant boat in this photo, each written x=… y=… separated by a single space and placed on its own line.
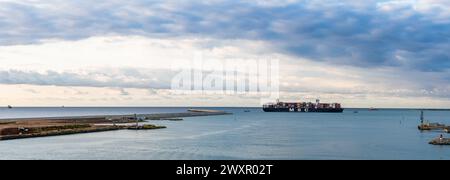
x=355 y=112
x=247 y=111
x=373 y=109
x=9 y=107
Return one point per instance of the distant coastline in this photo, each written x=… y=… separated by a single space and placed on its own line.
x=19 y=128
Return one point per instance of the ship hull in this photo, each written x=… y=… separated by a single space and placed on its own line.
x=304 y=110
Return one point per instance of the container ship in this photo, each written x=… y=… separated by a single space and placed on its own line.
x=303 y=107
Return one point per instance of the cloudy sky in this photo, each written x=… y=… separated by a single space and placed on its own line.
x=380 y=53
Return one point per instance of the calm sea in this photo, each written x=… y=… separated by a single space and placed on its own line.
x=384 y=134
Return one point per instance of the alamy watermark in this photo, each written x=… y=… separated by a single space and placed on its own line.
x=242 y=77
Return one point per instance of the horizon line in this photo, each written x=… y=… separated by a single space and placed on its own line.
x=378 y=108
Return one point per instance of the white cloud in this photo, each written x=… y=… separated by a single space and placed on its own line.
x=123 y=70
x=363 y=53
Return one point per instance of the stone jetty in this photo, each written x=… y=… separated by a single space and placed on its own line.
x=54 y=126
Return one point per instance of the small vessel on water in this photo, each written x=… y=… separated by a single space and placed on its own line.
x=303 y=107
x=373 y=109
x=9 y=107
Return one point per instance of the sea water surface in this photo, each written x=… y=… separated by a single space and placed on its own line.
x=383 y=134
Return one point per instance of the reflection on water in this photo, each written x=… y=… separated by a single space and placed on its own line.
x=384 y=134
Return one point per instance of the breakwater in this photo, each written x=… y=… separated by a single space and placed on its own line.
x=19 y=128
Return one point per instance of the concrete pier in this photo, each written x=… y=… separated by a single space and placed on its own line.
x=431 y=126
x=440 y=141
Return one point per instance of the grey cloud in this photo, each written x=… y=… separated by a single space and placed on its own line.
x=340 y=32
x=119 y=78
x=152 y=80
x=350 y=33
